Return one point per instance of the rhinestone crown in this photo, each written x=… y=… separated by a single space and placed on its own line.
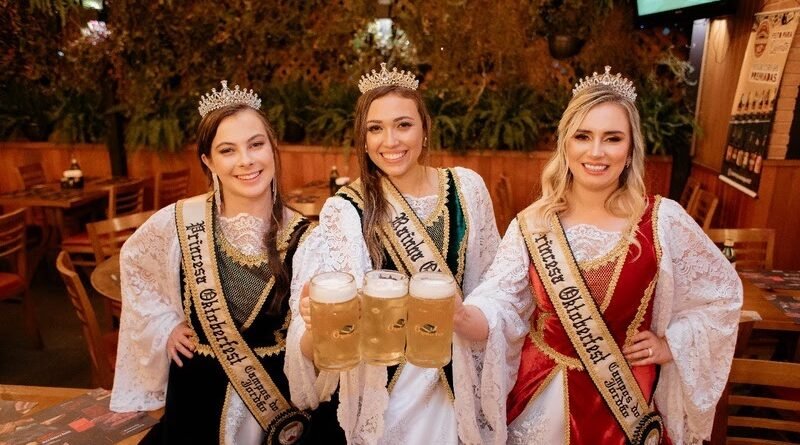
x=218 y=99
x=385 y=78
x=617 y=83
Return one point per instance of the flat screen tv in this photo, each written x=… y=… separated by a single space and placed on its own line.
x=654 y=12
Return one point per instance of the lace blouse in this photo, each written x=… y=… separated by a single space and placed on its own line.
x=338 y=244
x=150 y=263
x=697 y=302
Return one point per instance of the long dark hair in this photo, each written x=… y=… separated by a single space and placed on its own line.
x=375 y=206
x=206 y=132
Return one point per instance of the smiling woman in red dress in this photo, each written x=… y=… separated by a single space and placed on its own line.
x=608 y=315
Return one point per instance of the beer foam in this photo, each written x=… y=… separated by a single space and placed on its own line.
x=387 y=288
x=431 y=288
x=333 y=289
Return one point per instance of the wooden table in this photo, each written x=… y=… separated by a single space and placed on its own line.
x=53 y=200
x=772 y=318
x=46 y=397
x=309 y=199
x=105 y=279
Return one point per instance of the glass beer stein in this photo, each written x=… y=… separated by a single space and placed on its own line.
x=430 y=319
x=383 y=317
x=335 y=319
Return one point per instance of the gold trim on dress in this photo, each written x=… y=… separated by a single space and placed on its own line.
x=536 y=335
x=223 y=418
x=441 y=199
x=243 y=259
x=567 y=414
x=462 y=249
x=639 y=317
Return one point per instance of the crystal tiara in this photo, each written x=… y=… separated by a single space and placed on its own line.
x=617 y=83
x=218 y=99
x=386 y=78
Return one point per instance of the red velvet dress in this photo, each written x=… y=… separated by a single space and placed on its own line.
x=622 y=282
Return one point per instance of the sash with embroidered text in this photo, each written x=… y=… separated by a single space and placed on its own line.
x=283 y=423
x=581 y=318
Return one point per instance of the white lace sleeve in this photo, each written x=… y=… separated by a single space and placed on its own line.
x=483 y=235
x=151 y=308
x=504 y=297
x=698 y=300
x=307 y=389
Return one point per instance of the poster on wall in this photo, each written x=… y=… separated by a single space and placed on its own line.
x=756 y=93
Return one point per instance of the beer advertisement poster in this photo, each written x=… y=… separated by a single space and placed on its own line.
x=753 y=108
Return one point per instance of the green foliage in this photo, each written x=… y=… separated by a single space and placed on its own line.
x=447 y=109
x=78 y=118
x=497 y=88
x=667 y=124
x=332 y=122
x=504 y=120
x=286 y=106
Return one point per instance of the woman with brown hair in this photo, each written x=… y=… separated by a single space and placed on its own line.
x=206 y=286
x=608 y=315
x=448 y=209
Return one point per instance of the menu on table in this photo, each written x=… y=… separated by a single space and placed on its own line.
x=773 y=279
x=85 y=419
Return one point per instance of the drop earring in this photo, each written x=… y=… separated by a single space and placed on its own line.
x=217 y=192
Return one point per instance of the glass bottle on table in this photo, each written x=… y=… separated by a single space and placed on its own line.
x=332 y=180
x=728 y=252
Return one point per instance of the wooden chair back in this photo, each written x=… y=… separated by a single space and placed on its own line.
x=502 y=194
x=702 y=206
x=688 y=192
x=170 y=187
x=12 y=241
x=125 y=199
x=102 y=370
x=109 y=235
x=31 y=175
x=754 y=248
x=752 y=400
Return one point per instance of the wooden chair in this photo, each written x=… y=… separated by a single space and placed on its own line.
x=502 y=195
x=754 y=247
x=109 y=235
x=124 y=199
x=15 y=283
x=102 y=347
x=31 y=175
x=688 y=192
x=759 y=411
x=170 y=187
x=702 y=206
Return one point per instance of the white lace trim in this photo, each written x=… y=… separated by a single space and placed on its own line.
x=363 y=395
x=589 y=242
x=245 y=232
x=697 y=302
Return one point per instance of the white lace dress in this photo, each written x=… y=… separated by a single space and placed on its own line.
x=418 y=410
x=152 y=307
x=697 y=302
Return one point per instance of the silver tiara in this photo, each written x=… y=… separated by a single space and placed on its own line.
x=617 y=83
x=218 y=99
x=386 y=78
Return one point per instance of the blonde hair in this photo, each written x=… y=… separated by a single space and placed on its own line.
x=627 y=201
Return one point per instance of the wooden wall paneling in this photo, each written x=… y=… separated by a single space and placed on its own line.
x=727 y=42
x=777 y=206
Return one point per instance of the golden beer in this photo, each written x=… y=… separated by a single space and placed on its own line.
x=430 y=319
x=383 y=317
x=334 y=320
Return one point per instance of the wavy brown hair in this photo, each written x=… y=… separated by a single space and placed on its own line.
x=206 y=132
x=375 y=206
